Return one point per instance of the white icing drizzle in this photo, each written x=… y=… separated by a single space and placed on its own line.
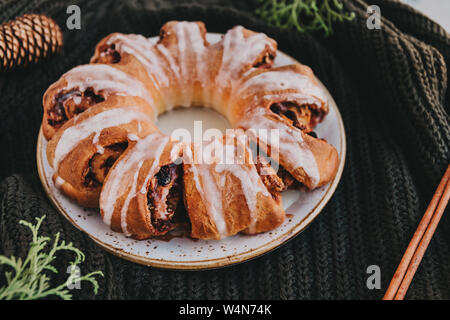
x=201 y=59
x=59 y=182
x=291 y=143
x=210 y=179
x=144 y=50
x=163 y=205
x=190 y=62
x=170 y=59
x=303 y=99
x=207 y=188
x=149 y=55
x=238 y=52
x=102 y=77
x=173 y=66
x=81 y=130
x=100 y=149
x=282 y=80
x=77 y=99
x=118 y=182
x=132 y=137
x=159 y=61
x=126 y=204
x=190 y=44
x=186 y=89
x=156 y=155
x=251 y=183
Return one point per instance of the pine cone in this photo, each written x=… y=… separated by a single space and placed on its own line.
x=28 y=39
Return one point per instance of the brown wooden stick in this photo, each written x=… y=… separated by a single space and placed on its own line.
x=419 y=243
x=423 y=245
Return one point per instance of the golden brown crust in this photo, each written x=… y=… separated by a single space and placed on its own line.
x=132 y=202
x=169 y=37
x=62 y=101
x=207 y=184
x=74 y=174
x=236 y=77
x=254 y=98
x=325 y=156
x=270 y=214
x=195 y=67
x=235 y=214
x=269 y=177
x=255 y=94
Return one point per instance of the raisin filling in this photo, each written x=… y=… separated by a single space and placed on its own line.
x=165 y=196
x=100 y=164
x=313 y=134
x=69 y=104
x=57 y=115
x=303 y=117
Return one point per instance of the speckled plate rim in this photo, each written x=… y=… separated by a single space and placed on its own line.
x=218 y=262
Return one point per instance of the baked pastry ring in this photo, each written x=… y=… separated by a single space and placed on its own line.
x=135 y=167
x=83 y=150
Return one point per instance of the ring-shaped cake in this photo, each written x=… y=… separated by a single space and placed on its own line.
x=107 y=152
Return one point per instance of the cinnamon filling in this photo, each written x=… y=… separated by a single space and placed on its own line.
x=57 y=116
x=288 y=180
x=303 y=117
x=100 y=164
x=68 y=104
x=165 y=196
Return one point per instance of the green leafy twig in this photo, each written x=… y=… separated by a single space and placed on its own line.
x=30 y=280
x=304 y=15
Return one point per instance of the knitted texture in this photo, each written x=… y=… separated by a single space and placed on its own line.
x=391 y=88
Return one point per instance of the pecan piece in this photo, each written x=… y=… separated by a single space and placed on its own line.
x=271 y=180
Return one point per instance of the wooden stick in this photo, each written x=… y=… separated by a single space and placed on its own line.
x=419 y=243
x=423 y=245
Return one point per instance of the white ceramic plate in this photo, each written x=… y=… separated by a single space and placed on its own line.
x=185 y=253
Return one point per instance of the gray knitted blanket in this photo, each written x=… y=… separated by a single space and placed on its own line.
x=391 y=88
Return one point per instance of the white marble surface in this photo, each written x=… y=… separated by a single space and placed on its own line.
x=437 y=10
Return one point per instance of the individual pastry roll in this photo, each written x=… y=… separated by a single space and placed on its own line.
x=158 y=64
x=186 y=46
x=84 y=149
x=279 y=108
x=239 y=51
x=311 y=161
x=224 y=193
x=291 y=91
x=87 y=85
x=178 y=64
x=143 y=189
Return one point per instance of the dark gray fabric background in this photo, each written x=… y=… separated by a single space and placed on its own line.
x=391 y=87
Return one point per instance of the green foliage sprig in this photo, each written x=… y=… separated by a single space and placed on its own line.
x=304 y=15
x=30 y=280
